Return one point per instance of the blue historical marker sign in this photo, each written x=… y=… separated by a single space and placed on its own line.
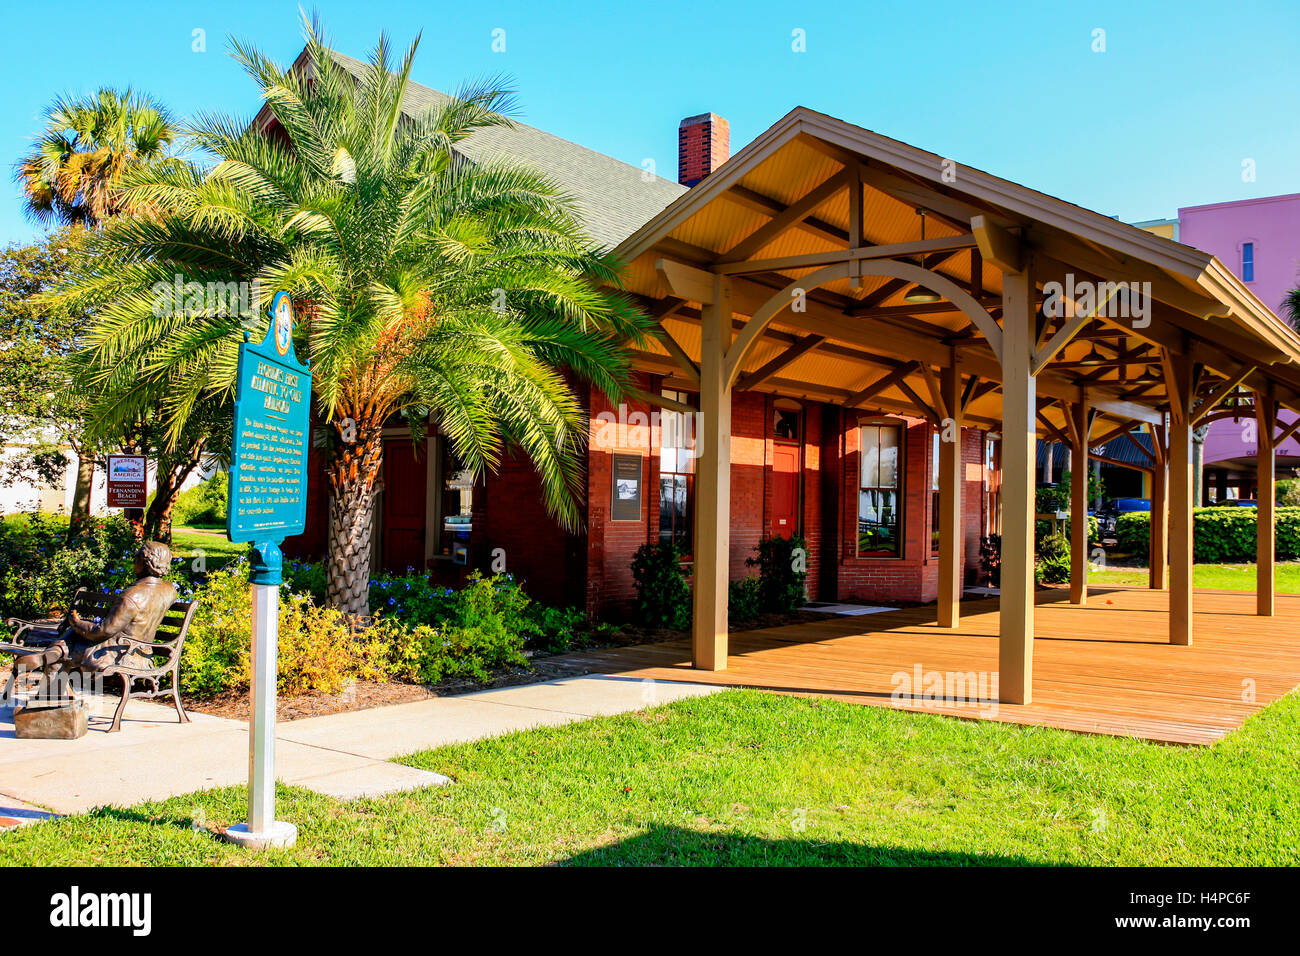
x=268 y=502
x=268 y=469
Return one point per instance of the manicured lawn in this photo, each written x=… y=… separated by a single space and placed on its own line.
x=748 y=778
x=1221 y=577
x=187 y=542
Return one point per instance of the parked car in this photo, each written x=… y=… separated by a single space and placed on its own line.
x=1108 y=516
x=1237 y=503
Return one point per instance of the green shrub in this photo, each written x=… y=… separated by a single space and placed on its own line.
x=1052 y=563
x=782 y=569
x=487 y=622
x=1219 y=535
x=319 y=650
x=745 y=599
x=216 y=652
x=40 y=569
x=558 y=629
x=308 y=577
x=484 y=628
x=1288 y=493
x=1133 y=533
x=663 y=596
x=204 y=505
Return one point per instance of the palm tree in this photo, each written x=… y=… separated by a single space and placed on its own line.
x=72 y=176
x=73 y=173
x=432 y=286
x=1291 y=307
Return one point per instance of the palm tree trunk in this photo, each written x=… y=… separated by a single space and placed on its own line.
x=169 y=476
x=1198 y=465
x=353 y=476
x=80 y=511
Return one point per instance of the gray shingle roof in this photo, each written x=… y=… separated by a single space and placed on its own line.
x=614 y=198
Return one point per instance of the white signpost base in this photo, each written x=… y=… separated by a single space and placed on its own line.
x=263 y=829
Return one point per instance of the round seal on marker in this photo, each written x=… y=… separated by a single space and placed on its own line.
x=282 y=310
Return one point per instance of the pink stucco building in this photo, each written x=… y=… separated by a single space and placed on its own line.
x=1259 y=239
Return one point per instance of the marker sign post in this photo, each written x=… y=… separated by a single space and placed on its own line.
x=268 y=502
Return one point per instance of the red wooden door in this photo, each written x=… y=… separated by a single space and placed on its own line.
x=404 y=511
x=785 y=490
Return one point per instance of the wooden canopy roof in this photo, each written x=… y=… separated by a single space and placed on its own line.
x=820 y=201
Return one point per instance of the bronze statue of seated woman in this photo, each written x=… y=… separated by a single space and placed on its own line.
x=122 y=639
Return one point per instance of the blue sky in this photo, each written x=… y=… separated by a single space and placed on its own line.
x=1164 y=117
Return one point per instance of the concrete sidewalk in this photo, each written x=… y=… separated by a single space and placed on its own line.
x=345 y=755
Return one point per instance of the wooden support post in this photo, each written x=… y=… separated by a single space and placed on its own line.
x=713 y=485
x=1158 y=548
x=949 y=464
x=1019 y=436
x=1266 y=495
x=1081 y=422
x=1179 y=380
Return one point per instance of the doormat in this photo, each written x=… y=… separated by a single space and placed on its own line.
x=845 y=610
x=982 y=591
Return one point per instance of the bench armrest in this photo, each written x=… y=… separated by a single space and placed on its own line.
x=27 y=629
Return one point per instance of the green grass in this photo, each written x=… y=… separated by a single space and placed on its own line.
x=1220 y=577
x=187 y=542
x=748 y=778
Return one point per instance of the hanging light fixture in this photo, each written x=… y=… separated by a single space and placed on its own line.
x=1146 y=378
x=919 y=294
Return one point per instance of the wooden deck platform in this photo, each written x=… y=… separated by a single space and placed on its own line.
x=1104 y=668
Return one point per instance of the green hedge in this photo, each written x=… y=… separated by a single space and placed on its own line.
x=1219 y=535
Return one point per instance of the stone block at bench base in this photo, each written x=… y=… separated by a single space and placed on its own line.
x=59 y=721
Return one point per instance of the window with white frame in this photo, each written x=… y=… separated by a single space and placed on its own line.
x=880 y=476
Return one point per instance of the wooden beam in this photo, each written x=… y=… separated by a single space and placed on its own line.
x=713 y=486
x=679 y=355
x=1266 y=507
x=786 y=218
x=1019 y=438
x=951 y=538
x=968 y=393
x=659 y=401
x=778 y=362
x=1219 y=394
x=1057 y=434
x=891 y=250
x=1286 y=433
x=1058 y=341
x=1132 y=466
x=950 y=210
x=936 y=393
x=1081 y=424
x=768 y=206
x=1074 y=257
x=886 y=381
x=1138 y=445
x=1158 y=546
x=996 y=244
x=1179 y=380
x=686 y=281
x=873 y=301
x=921 y=406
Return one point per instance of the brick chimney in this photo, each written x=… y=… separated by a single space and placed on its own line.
x=703 y=144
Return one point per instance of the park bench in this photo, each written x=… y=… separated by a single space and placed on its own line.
x=144 y=677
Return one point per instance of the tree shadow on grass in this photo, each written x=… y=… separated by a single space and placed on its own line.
x=677 y=846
